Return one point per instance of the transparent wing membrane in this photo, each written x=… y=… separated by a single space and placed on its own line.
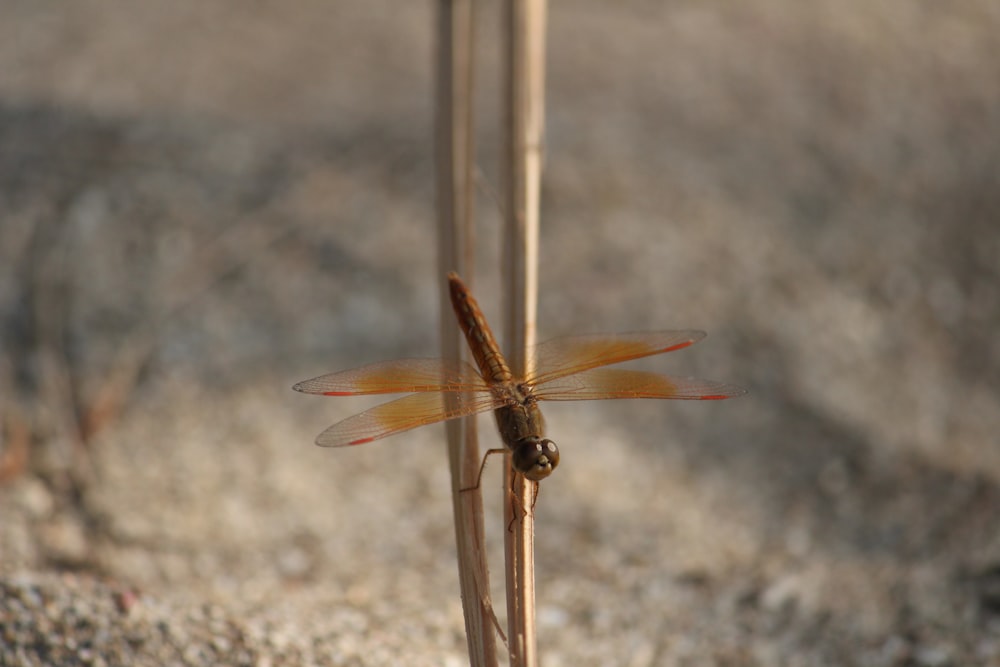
x=607 y=383
x=569 y=355
x=402 y=415
x=397 y=377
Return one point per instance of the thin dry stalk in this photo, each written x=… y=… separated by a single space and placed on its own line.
x=524 y=118
x=455 y=189
x=15 y=434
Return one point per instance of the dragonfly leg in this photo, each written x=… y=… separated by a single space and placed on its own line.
x=482 y=467
x=516 y=505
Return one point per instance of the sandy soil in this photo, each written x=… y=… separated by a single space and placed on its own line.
x=202 y=203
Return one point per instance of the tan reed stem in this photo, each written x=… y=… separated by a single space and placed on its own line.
x=455 y=202
x=524 y=117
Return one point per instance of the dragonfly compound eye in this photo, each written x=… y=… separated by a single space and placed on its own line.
x=536 y=459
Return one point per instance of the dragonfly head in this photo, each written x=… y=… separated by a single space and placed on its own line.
x=536 y=458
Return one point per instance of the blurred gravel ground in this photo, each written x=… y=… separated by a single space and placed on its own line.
x=202 y=203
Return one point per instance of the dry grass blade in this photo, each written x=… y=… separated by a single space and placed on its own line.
x=525 y=63
x=455 y=160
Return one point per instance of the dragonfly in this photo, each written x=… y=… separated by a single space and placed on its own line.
x=569 y=368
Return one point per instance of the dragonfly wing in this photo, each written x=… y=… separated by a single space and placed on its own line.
x=397 y=377
x=569 y=355
x=613 y=383
x=402 y=415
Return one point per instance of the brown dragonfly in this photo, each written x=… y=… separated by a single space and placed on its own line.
x=562 y=369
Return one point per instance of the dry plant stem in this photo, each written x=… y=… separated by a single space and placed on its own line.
x=455 y=190
x=59 y=388
x=239 y=245
x=15 y=433
x=525 y=66
x=84 y=413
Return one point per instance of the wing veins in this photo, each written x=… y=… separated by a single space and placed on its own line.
x=401 y=415
x=397 y=377
x=610 y=383
x=570 y=355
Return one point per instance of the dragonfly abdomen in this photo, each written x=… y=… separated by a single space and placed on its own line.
x=477 y=332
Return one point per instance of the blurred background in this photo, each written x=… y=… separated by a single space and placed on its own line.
x=204 y=202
